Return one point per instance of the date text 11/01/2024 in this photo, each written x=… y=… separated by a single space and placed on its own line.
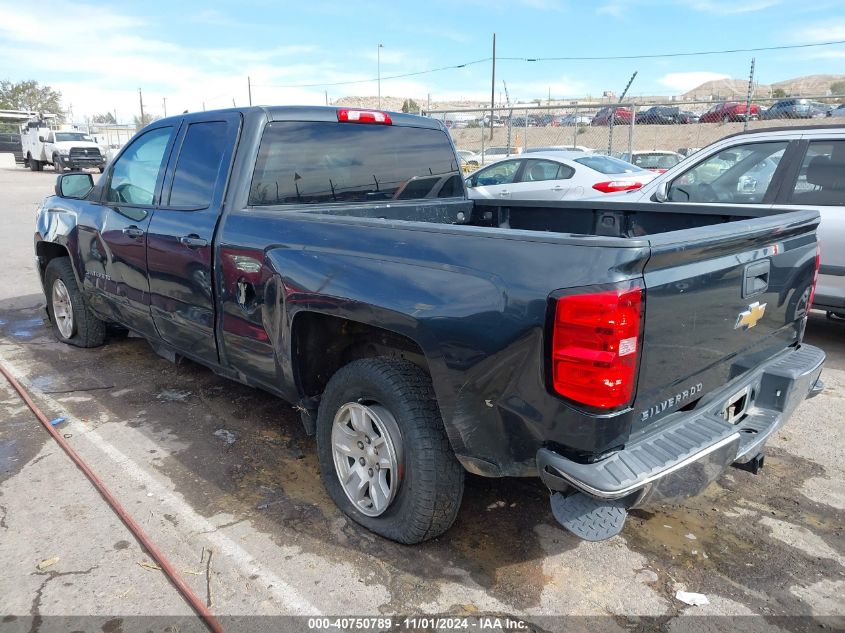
x=418 y=623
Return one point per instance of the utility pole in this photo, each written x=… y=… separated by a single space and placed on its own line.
x=164 y=105
x=249 y=88
x=378 y=69
x=493 y=88
x=141 y=101
x=748 y=96
x=327 y=97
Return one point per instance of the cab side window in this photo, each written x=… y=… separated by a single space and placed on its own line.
x=198 y=164
x=821 y=180
x=135 y=174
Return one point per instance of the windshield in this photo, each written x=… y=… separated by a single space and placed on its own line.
x=608 y=165
x=71 y=136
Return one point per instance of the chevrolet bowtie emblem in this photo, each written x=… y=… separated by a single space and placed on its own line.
x=748 y=318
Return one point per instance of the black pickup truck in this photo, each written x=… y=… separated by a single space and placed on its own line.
x=624 y=354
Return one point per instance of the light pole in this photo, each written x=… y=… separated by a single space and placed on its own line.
x=378 y=66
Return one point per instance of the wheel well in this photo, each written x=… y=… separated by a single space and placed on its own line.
x=48 y=251
x=322 y=344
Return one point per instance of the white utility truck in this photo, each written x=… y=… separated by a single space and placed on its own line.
x=62 y=149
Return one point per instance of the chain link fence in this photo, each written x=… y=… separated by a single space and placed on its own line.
x=639 y=133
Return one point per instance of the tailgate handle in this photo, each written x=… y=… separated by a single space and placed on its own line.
x=756 y=278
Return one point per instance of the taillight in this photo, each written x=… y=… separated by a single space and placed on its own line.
x=596 y=344
x=815 y=276
x=345 y=115
x=612 y=186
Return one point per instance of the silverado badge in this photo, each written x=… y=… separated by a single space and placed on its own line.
x=748 y=318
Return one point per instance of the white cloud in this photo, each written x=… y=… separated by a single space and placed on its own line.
x=731 y=7
x=821 y=32
x=682 y=82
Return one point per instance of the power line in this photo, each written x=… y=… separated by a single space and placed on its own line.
x=664 y=55
x=366 y=81
x=550 y=59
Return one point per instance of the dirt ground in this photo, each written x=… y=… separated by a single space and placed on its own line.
x=205 y=464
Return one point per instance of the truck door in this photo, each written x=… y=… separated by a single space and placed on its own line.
x=133 y=186
x=179 y=245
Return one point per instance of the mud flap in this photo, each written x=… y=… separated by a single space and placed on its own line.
x=589 y=518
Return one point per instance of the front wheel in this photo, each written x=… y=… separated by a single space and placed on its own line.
x=384 y=456
x=73 y=321
x=57 y=164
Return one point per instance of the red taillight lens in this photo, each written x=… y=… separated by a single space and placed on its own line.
x=612 y=186
x=595 y=346
x=815 y=276
x=345 y=115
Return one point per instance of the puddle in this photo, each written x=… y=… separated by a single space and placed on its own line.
x=8 y=454
x=27 y=328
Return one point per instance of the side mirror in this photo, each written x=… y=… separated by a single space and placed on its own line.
x=662 y=193
x=74 y=185
x=42 y=139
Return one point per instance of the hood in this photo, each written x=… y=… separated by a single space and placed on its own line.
x=69 y=144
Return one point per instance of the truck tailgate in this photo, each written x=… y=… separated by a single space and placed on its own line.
x=718 y=305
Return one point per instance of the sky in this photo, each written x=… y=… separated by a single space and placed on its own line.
x=199 y=54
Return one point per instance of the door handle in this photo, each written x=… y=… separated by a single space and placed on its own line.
x=557 y=188
x=504 y=193
x=133 y=231
x=193 y=241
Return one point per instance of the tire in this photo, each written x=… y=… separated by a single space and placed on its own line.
x=75 y=323
x=102 y=169
x=34 y=165
x=57 y=164
x=430 y=481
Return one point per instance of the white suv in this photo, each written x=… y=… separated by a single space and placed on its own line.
x=796 y=166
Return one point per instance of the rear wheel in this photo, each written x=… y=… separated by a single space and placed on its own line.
x=73 y=321
x=384 y=455
x=34 y=165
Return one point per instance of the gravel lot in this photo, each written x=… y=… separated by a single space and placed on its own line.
x=207 y=464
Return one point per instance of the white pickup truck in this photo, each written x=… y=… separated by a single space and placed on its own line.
x=62 y=149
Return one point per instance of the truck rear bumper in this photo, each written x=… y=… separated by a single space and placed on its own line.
x=694 y=448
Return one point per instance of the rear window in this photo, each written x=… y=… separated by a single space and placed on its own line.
x=323 y=162
x=608 y=165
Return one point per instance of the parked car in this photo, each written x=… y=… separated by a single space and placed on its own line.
x=11 y=144
x=657 y=161
x=620 y=115
x=570 y=120
x=555 y=175
x=790 y=109
x=665 y=115
x=624 y=355
x=559 y=148
x=492 y=154
x=687 y=151
x=726 y=111
x=838 y=111
x=468 y=157
x=799 y=167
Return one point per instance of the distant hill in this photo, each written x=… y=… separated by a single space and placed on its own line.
x=809 y=85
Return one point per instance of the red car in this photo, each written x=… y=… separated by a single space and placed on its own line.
x=730 y=111
x=621 y=116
